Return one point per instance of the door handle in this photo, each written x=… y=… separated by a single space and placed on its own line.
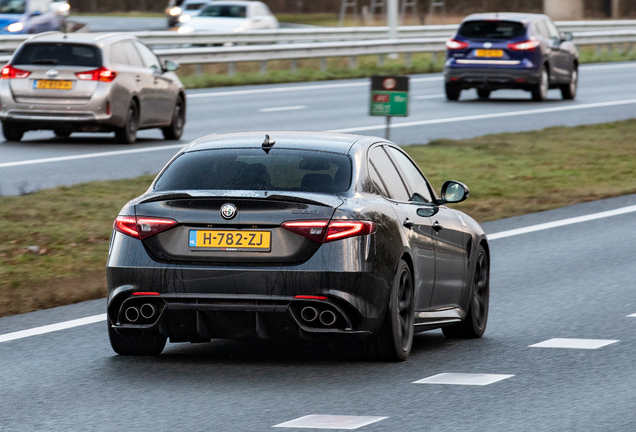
x=408 y=223
x=437 y=226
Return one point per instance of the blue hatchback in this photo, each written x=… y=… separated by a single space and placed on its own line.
x=510 y=51
x=27 y=16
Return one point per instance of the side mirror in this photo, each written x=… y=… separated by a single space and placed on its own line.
x=567 y=37
x=454 y=192
x=170 y=66
x=35 y=14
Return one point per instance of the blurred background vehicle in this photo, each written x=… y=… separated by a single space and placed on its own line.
x=27 y=16
x=90 y=83
x=229 y=16
x=510 y=51
x=60 y=8
x=178 y=8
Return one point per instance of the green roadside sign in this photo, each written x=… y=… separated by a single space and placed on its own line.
x=389 y=96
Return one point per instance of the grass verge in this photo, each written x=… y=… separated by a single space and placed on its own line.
x=248 y=73
x=54 y=243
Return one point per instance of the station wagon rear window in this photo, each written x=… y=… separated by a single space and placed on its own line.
x=492 y=30
x=253 y=169
x=59 y=54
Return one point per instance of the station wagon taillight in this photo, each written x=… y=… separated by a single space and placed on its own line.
x=323 y=231
x=141 y=227
x=101 y=74
x=453 y=44
x=9 y=72
x=529 y=45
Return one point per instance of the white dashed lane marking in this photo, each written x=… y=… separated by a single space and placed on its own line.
x=316 y=421
x=574 y=343
x=463 y=379
x=632 y=315
x=287 y=108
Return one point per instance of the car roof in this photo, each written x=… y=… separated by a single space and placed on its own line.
x=504 y=16
x=88 y=38
x=232 y=2
x=323 y=141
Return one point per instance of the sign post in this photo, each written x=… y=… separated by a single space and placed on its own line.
x=389 y=97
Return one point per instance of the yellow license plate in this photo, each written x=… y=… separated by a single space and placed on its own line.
x=53 y=84
x=231 y=240
x=489 y=53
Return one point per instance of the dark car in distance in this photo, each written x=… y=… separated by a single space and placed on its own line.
x=302 y=235
x=510 y=51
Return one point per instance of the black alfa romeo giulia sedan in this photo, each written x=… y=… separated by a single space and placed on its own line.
x=295 y=234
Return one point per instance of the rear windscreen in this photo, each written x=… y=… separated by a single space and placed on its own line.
x=492 y=30
x=253 y=169
x=224 y=11
x=58 y=54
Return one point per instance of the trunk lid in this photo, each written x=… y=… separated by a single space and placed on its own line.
x=258 y=216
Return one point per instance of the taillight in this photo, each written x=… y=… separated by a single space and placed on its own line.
x=453 y=44
x=323 y=231
x=9 y=72
x=529 y=45
x=142 y=227
x=342 y=229
x=313 y=230
x=101 y=74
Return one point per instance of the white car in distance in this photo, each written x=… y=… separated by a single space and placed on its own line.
x=60 y=7
x=228 y=16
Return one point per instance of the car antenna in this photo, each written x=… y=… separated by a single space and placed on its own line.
x=268 y=144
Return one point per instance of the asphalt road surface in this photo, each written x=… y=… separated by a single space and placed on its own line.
x=569 y=279
x=606 y=94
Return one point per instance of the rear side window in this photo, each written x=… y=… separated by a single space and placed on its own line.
x=253 y=169
x=491 y=30
x=388 y=174
x=58 y=54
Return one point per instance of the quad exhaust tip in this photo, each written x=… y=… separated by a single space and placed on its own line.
x=147 y=310
x=132 y=314
x=309 y=313
x=327 y=318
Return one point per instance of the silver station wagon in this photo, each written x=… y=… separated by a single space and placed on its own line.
x=90 y=83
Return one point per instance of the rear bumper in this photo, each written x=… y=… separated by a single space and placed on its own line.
x=199 y=303
x=520 y=76
x=91 y=116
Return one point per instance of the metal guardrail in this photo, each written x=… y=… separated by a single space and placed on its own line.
x=264 y=46
x=319 y=34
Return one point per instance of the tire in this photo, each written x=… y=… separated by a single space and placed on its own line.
x=540 y=90
x=453 y=92
x=62 y=133
x=395 y=338
x=474 y=325
x=175 y=130
x=568 y=91
x=140 y=343
x=128 y=133
x=483 y=93
x=12 y=132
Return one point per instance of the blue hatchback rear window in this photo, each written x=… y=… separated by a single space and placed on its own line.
x=492 y=30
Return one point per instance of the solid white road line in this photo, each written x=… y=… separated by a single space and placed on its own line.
x=287 y=108
x=300 y=88
x=502 y=234
x=53 y=327
x=489 y=116
x=610 y=66
x=91 y=155
x=563 y=222
x=356 y=129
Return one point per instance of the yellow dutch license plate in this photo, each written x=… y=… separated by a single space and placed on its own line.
x=53 y=84
x=234 y=240
x=489 y=53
